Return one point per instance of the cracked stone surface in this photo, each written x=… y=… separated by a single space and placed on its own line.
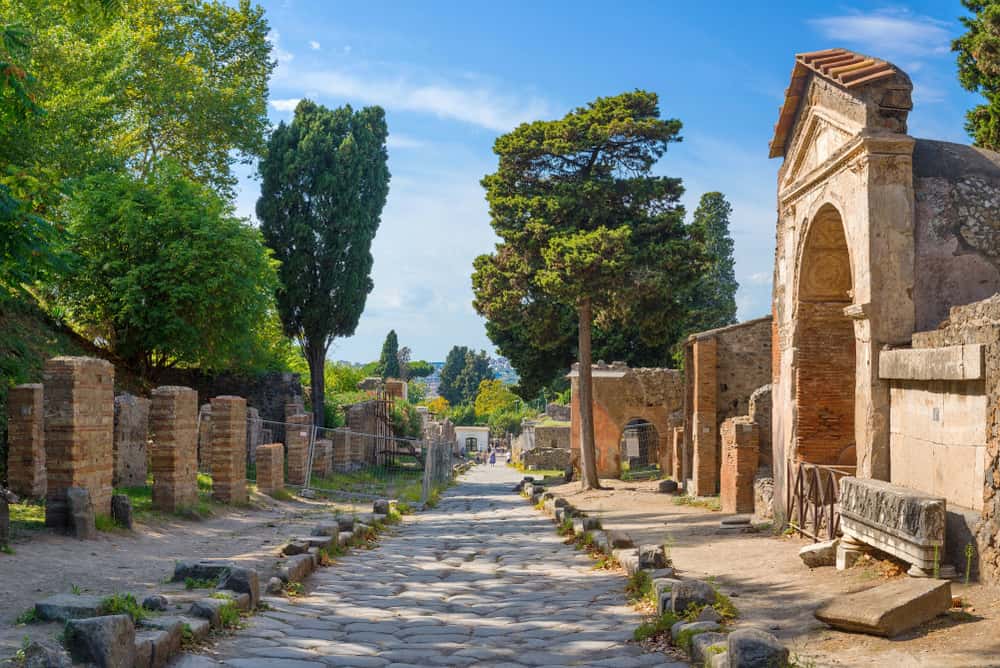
x=481 y=580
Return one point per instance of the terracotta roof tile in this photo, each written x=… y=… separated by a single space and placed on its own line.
x=842 y=67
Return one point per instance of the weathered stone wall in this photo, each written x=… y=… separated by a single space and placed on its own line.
x=26 y=440
x=79 y=405
x=552 y=436
x=342 y=450
x=229 y=449
x=740 y=445
x=622 y=394
x=322 y=458
x=173 y=416
x=760 y=412
x=270 y=467
x=297 y=447
x=205 y=438
x=131 y=440
x=267 y=392
x=546 y=459
x=557 y=412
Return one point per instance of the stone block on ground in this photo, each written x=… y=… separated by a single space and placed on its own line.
x=43 y=655
x=121 y=510
x=209 y=609
x=690 y=592
x=108 y=642
x=242 y=580
x=667 y=487
x=381 y=507
x=199 y=627
x=701 y=643
x=63 y=607
x=82 y=521
x=628 y=558
x=294 y=547
x=345 y=537
x=241 y=600
x=297 y=568
x=889 y=609
x=652 y=556
x=155 y=647
x=325 y=529
x=820 y=554
x=750 y=648
x=345 y=522
x=274 y=585
x=619 y=539
x=155 y=602
x=709 y=614
x=691 y=627
x=201 y=570
x=663 y=587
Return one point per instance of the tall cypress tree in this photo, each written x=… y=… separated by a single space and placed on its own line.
x=388 y=365
x=713 y=296
x=324 y=182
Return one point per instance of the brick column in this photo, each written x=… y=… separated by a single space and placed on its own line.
x=173 y=418
x=705 y=463
x=297 y=446
x=79 y=404
x=270 y=468
x=26 y=440
x=322 y=458
x=229 y=449
x=205 y=438
x=131 y=440
x=341 y=449
x=740 y=449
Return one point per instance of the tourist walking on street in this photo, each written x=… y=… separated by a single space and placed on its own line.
x=493 y=458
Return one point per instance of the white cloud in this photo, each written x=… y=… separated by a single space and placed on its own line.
x=890 y=32
x=761 y=278
x=472 y=103
x=398 y=140
x=283 y=57
x=287 y=105
x=314 y=45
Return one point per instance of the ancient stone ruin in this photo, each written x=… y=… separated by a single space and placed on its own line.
x=79 y=425
x=270 y=467
x=131 y=440
x=297 y=438
x=173 y=423
x=26 y=441
x=229 y=449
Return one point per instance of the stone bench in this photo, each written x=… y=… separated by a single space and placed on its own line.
x=903 y=522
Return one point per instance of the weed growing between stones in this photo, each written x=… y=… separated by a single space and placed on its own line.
x=565 y=527
x=282 y=494
x=655 y=628
x=106 y=523
x=540 y=505
x=724 y=606
x=585 y=541
x=229 y=616
x=639 y=587
x=76 y=590
x=605 y=562
x=394 y=517
x=294 y=589
x=404 y=508
x=29 y=616
x=124 y=604
x=683 y=639
x=200 y=583
x=187 y=637
x=328 y=555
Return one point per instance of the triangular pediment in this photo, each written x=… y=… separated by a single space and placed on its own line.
x=819 y=135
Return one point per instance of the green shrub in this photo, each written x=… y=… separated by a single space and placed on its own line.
x=655 y=628
x=29 y=616
x=200 y=583
x=105 y=523
x=229 y=616
x=124 y=604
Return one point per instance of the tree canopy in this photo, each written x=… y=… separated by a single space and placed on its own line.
x=713 y=294
x=388 y=365
x=462 y=373
x=324 y=182
x=979 y=69
x=164 y=273
x=588 y=233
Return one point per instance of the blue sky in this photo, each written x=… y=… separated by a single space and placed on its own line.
x=454 y=75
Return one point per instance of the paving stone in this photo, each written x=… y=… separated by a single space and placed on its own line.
x=108 y=642
x=888 y=609
x=749 y=648
x=61 y=607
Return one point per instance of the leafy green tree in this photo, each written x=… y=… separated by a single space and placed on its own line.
x=453 y=365
x=475 y=370
x=584 y=224
x=979 y=69
x=493 y=397
x=416 y=391
x=164 y=273
x=420 y=369
x=324 y=182
x=713 y=295
x=388 y=365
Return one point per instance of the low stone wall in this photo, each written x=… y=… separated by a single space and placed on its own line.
x=546 y=458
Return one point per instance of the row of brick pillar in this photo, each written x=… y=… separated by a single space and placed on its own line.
x=61 y=435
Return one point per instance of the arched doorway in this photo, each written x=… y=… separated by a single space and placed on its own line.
x=824 y=338
x=639 y=444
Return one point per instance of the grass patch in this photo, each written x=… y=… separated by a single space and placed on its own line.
x=142 y=501
x=640 y=587
x=29 y=616
x=585 y=541
x=124 y=604
x=187 y=637
x=606 y=562
x=294 y=589
x=6 y=549
x=282 y=494
x=724 y=606
x=684 y=638
x=26 y=517
x=655 y=628
x=404 y=508
x=377 y=480
x=328 y=555
x=200 y=583
x=708 y=502
x=565 y=527
x=229 y=616
x=105 y=523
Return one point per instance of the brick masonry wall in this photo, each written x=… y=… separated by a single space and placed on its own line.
x=322 y=458
x=26 y=440
x=676 y=470
x=824 y=387
x=740 y=444
x=297 y=447
x=229 y=449
x=131 y=440
x=270 y=467
x=79 y=424
x=173 y=416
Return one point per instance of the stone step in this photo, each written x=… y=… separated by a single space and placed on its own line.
x=889 y=609
x=63 y=607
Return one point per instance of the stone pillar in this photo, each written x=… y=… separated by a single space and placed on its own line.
x=342 y=449
x=270 y=467
x=131 y=440
x=255 y=433
x=205 y=438
x=677 y=472
x=322 y=458
x=704 y=428
x=297 y=447
x=79 y=400
x=26 y=440
x=229 y=449
x=173 y=418
x=740 y=448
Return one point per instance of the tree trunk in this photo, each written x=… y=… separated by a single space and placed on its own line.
x=316 y=356
x=588 y=453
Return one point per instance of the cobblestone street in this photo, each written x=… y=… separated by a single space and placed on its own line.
x=480 y=580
